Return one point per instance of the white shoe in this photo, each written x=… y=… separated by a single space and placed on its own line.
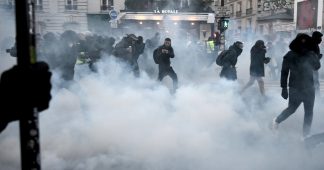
x=275 y=124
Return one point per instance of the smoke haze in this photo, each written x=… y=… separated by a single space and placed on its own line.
x=7 y=35
x=112 y=120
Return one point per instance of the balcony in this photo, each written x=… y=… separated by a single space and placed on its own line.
x=71 y=7
x=238 y=13
x=249 y=11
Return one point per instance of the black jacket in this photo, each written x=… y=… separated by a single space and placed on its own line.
x=164 y=59
x=121 y=51
x=258 y=60
x=299 y=67
x=230 y=59
x=139 y=49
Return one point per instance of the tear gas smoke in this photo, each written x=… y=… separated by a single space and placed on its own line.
x=111 y=120
x=7 y=40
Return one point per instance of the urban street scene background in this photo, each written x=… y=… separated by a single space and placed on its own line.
x=174 y=84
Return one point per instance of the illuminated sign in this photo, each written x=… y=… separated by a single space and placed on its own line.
x=166 y=11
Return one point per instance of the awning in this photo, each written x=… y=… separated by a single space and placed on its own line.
x=208 y=17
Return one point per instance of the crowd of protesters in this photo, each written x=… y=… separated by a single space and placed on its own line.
x=297 y=67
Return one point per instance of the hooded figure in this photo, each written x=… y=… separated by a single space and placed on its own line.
x=316 y=40
x=258 y=60
x=299 y=63
x=230 y=60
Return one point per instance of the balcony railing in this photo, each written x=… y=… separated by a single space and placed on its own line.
x=249 y=11
x=71 y=7
x=238 y=13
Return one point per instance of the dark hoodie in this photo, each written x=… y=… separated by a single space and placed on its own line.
x=231 y=56
x=299 y=63
x=258 y=59
x=230 y=60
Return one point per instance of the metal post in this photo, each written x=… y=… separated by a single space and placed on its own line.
x=26 y=55
x=222 y=33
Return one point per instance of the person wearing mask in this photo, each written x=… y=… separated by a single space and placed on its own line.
x=139 y=49
x=316 y=41
x=162 y=57
x=299 y=63
x=230 y=60
x=258 y=60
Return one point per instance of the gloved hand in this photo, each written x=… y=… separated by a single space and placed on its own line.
x=24 y=88
x=267 y=60
x=284 y=93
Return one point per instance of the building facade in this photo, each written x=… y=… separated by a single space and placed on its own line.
x=56 y=15
x=149 y=16
x=243 y=14
x=275 y=16
x=60 y=15
x=260 y=16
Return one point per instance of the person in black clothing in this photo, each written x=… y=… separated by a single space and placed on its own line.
x=230 y=60
x=258 y=60
x=139 y=49
x=23 y=88
x=67 y=56
x=163 y=55
x=125 y=49
x=316 y=40
x=299 y=63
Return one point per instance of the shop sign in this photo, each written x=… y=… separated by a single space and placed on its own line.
x=166 y=11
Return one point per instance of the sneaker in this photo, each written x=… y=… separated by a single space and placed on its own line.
x=275 y=124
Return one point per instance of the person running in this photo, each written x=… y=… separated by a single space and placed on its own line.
x=258 y=60
x=299 y=63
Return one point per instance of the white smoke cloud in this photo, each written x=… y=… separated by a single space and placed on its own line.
x=111 y=120
x=7 y=34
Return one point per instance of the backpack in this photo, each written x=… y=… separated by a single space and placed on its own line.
x=220 y=58
x=156 y=56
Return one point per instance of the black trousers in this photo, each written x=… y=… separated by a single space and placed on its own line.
x=296 y=97
x=168 y=71
x=229 y=73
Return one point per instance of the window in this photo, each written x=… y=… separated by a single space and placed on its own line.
x=249 y=7
x=239 y=9
x=39 y=4
x=107 y=5
x=71 y=5
x=232 y=8
x=249 y=4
